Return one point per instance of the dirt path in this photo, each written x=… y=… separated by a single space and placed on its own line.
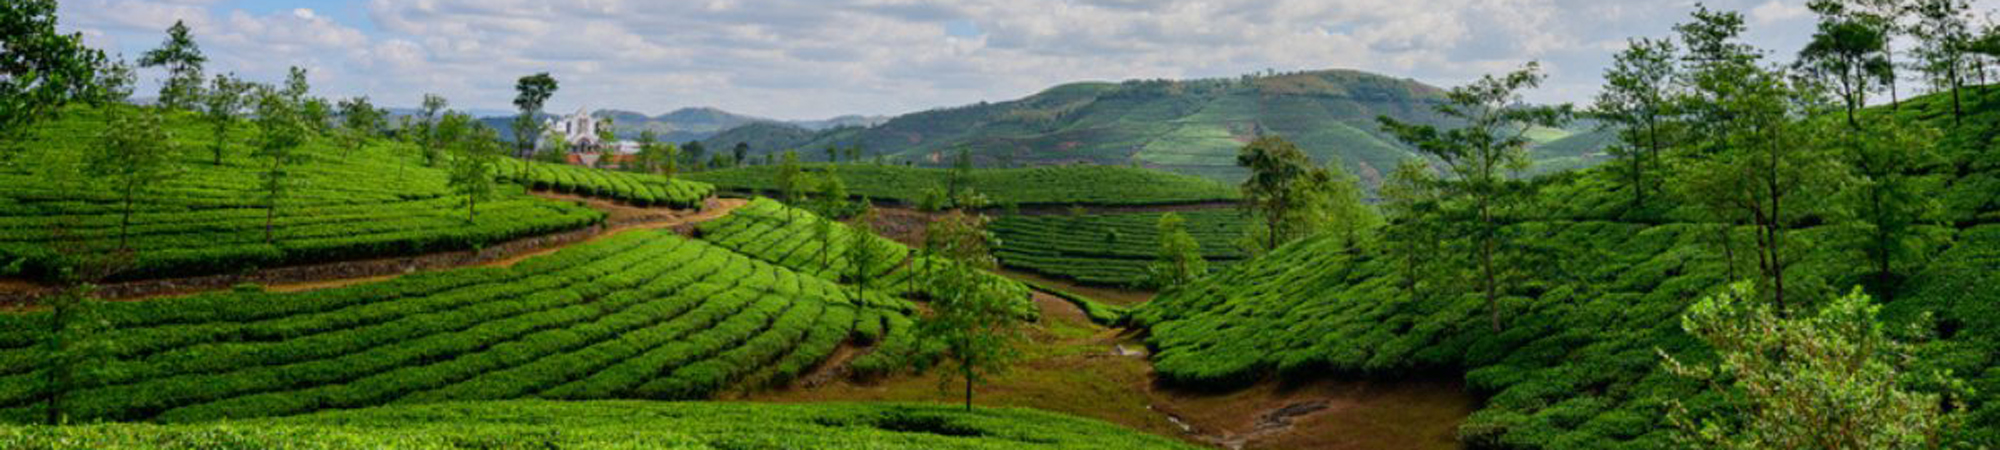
x=620 y=218
x=1075 y=367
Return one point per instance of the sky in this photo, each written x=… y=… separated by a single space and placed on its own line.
x=813 y=59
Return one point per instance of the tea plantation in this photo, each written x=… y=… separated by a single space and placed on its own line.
x=532 y=424
x=1109 y=249
x=343 y=203
x=1047 y=185
x=1600 y=298
x=636 y=188
x=639 y=315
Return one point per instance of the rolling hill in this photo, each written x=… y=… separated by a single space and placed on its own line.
x=1187 y=126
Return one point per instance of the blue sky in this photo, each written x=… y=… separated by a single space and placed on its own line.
x=807 y=59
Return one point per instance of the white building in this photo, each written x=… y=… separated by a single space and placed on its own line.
x=579 y=130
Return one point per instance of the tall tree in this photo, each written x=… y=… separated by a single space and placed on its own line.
x=280 y=133
x=183 y=59
x=474 y=155
x=1276 y=192
x=832 y=154
x=530 y=93
x=1891 y=193
x=1180 y=261
x=959 y=179
x=1416 y=229
x=649 y=151
x=1944 y=34
x=222 y=105
x=974 y=317
x=1480 y=155
x=694 y=152
x=742 y=153
x=133 y=156
x=789 y=178
x=1832 y=380
x=360 y=120
x=41 y=69
x=1758 y=153
x=427 y=125
x=607 y=133
x=1848 y=51
x=864 y=250
x=1637 y=99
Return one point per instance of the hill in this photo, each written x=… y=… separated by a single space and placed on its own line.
x=1578 y=363
x=1109 y=249
x=378 y=200
x=1187 y=126
x=1048 y=185
x=614 y=424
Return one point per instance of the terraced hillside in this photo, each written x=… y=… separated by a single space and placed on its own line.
x=378 y=200
x=636 y=188
x=1049 y=185
x=1109 y=249
x=643 y=314
x=615 y=425
x=1599 y=298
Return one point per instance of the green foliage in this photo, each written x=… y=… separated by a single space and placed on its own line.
x=973 y=318
x=1072 y=247
x=636 y=188
x=639 y=315
x=474 y=155
x=41 y=70
x=1831 y=380
x=1180 y=260
x=133 y=156
x=209 y=219
x=1478 y=155
x=536 y=424
x=183 y=59
x=1049 y=185
x=530 y=92
x=222 y=105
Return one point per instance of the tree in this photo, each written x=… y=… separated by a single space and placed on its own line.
x=556 y=148
x=118 y=79
x=1637 y=98
x=41 y=69
x=1832 y=380
x=360 y=120
x=959 y=179
x=694 y=152
x=1479 y=155
x=1336 y=204
x=183 y=60
x=473 y=161
x=312 y=111
x=1758 y=151
x=1275 y=193
x=832 y=194
x=832 y=154
x=1417 y=229
x=742 y=153
x=865 y=250
x=427 y=126
x=133 y=156
x=280 y=133
x=1180 y=260
x=649 y=151
x=789 y=177
x=530 y=92
x=1848 y=50
x=973 y=315
x=607 y=132
x=222 y=105
x=1944 y=35
x=1890 y=193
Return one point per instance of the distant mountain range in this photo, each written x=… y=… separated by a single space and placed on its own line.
x=1189 y=126
x=681 y=125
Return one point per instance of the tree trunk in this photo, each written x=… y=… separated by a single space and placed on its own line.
x=968 y=387
x=58 y=374
x=125 y=219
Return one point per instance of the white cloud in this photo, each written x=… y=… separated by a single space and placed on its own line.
x=816 y=58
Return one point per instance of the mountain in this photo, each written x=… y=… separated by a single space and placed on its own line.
x=851 y=120
x=1190 y=126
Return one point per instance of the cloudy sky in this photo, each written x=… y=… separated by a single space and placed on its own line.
x=808 y=59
